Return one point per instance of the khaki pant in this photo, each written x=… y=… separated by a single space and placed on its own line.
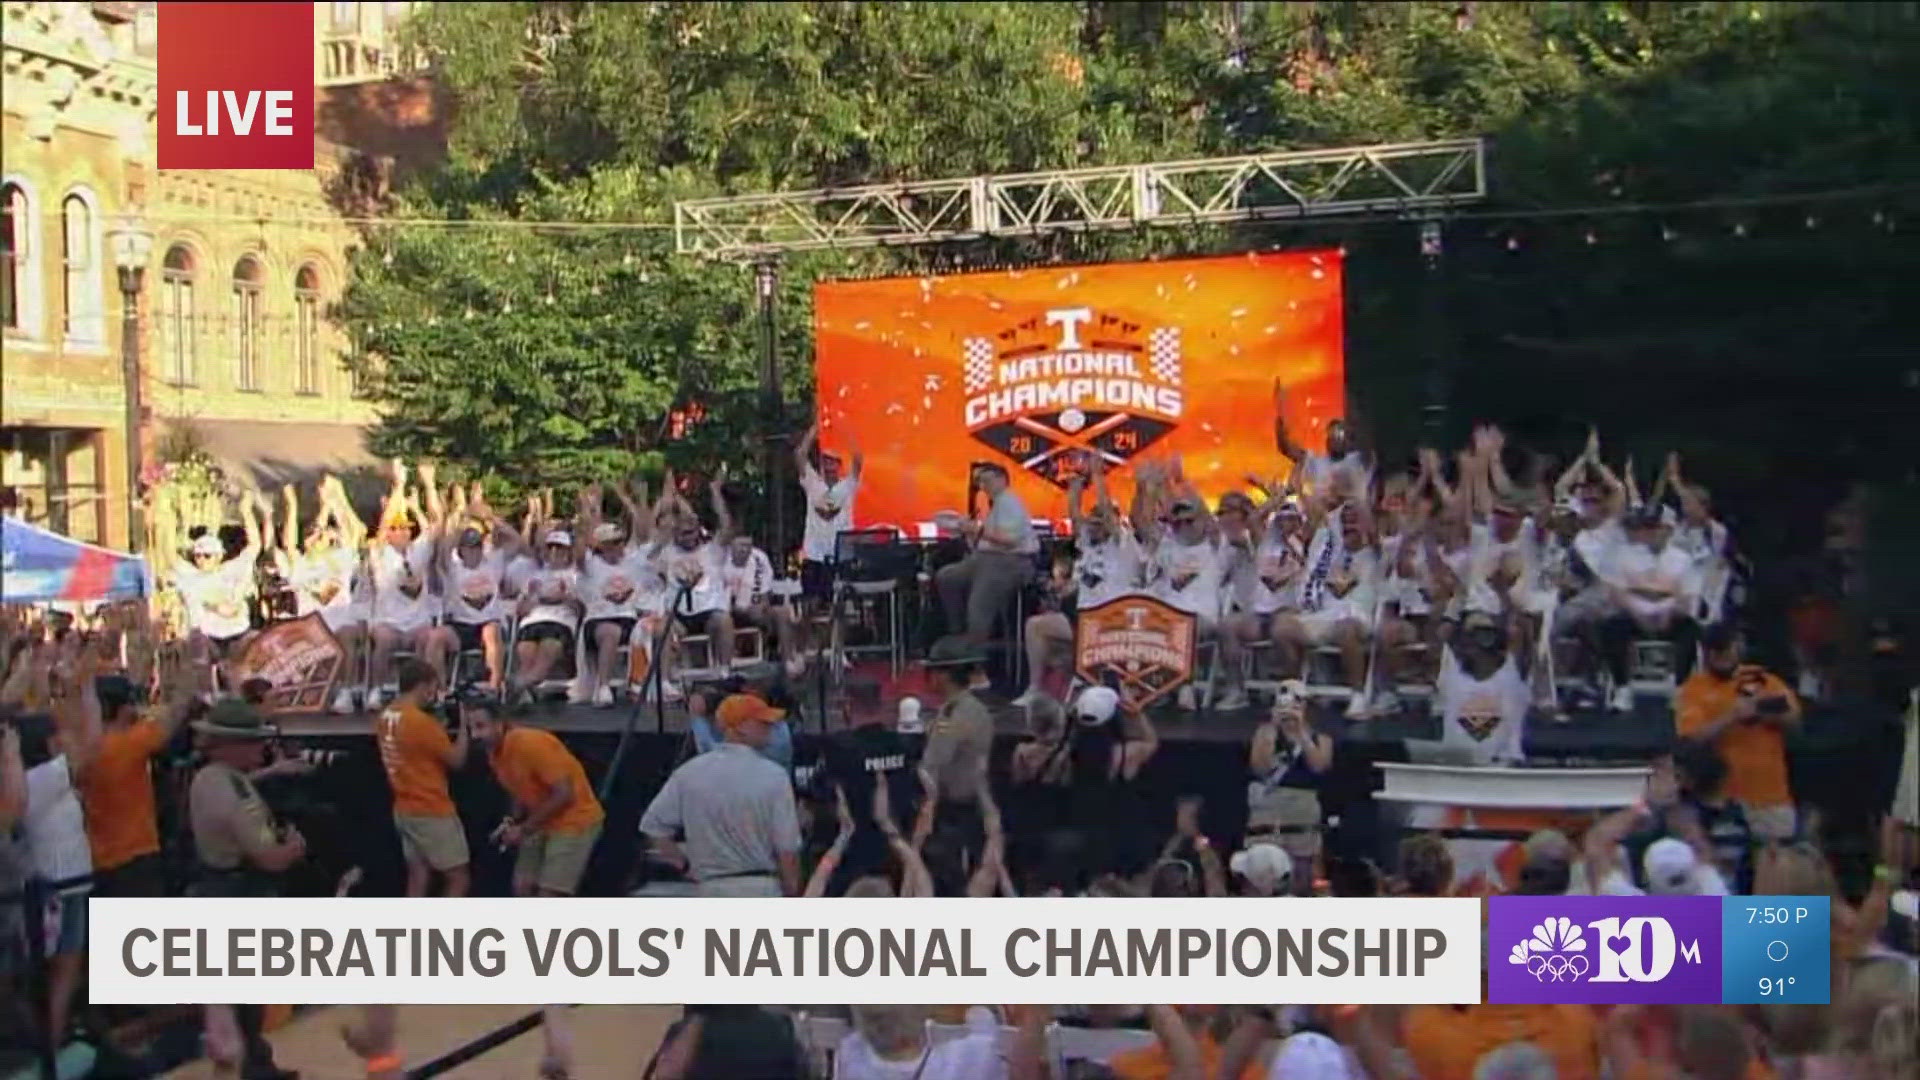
x=1773 y=822
x=554 y=862
x=756 y=885
x=439 y=842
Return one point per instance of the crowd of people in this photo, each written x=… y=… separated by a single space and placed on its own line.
x=1340 y=590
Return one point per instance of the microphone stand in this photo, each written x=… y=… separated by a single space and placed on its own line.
x=656 y=681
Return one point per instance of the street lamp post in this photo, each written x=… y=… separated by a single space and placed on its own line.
x=772 y=409
x=132 y=246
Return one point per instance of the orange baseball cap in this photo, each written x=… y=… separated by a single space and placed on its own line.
x=745 y=708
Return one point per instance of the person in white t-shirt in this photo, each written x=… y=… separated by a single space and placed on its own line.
x=400 y=567
x=325 y=573
x=1655 y=588
x=1337 y=592
x=548 y=611
x=1187 y=571
x=1107 y=564
x=891 y=1042
x=748 y=574
x=216 y=591
x=473 y=580
x=693 y=566
x=621 y=591
x=830 y=494
x=1313 y=473
x=55 y=829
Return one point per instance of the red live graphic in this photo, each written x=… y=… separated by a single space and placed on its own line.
x=236 y=86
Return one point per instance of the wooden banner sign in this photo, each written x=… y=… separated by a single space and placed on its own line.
x=300 y=658
x=1138 y=645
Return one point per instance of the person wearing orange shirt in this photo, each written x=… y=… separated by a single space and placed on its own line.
x=418 y=755
x=1447 y=1042
x=117 y=790
x=556 y=818
x=1745 y=712
x=1160 y=1061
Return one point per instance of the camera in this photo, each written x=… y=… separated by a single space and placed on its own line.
x=1772 y=705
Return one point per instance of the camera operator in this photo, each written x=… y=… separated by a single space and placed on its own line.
x=1745 y=712
x=240 y=851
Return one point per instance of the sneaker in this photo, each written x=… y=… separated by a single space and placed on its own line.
x=1026 y=698
x=375 y=699
x=603 y=697
x=796 y=667
x=1233 y=699
x=343 y=703
x=1358 y=708
x=1622 y=699
x=1186 y=699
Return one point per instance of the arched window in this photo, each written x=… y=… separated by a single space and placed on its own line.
x=247 y=331
x=179 y=337
x=16 y=257
x=306 y=330
x=86 y=322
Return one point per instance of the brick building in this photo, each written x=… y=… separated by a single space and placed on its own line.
x=235 y=339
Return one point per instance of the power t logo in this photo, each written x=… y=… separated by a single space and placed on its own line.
x=1053 y=389
x=1604 y=950
x=236 y=86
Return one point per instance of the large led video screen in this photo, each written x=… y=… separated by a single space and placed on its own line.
x=1039 y=368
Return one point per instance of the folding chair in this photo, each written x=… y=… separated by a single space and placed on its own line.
x=869 y=565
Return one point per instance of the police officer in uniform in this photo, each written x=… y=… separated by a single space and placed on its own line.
x=240 y=851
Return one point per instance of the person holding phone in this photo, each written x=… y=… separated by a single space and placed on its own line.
x=1745 y=712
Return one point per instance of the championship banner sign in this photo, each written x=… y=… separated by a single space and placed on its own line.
x=300 y=658
x=1039 y=369
x=1138 y=645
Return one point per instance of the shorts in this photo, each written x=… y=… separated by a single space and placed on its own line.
x=555 y=862
x=407 y=626
x=140 y=877
x=1322 y=626
x=748 y=619
x=440 y=842
x=468 y=635
x=66 y=924
x=548 y=631
x=1286 y=816
x=591 y=631
x=339 y=618
x=696 y=623
x=816 y=579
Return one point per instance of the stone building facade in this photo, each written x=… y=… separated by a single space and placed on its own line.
x=235 y=340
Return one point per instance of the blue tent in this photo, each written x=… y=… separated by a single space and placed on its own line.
x=38 y=567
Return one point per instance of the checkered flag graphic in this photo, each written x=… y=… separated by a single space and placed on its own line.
x=1163 y=354
x=978 y=371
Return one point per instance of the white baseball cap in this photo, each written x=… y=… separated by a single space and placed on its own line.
x=1310 y=1055
x=604 y=533
x=208 y=544
x=1268 y=870
x=911 y=722
x=1096 y=705
x=559 y=538
x=1672 y=869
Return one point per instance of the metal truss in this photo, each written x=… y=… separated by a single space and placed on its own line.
x=1409 y=179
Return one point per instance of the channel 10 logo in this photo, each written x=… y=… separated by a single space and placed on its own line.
x=1604 y=950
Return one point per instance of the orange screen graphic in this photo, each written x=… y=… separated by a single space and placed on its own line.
x=1038 y=369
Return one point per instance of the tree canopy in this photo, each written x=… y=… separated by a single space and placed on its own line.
x=553 y=355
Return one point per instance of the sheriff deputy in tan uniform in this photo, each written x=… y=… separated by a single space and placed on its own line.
x=240 y=851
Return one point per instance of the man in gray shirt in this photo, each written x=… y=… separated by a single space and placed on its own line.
x=976 y=590
x=735 y=808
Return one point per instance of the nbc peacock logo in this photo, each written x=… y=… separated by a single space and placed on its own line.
x=1556 y=951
